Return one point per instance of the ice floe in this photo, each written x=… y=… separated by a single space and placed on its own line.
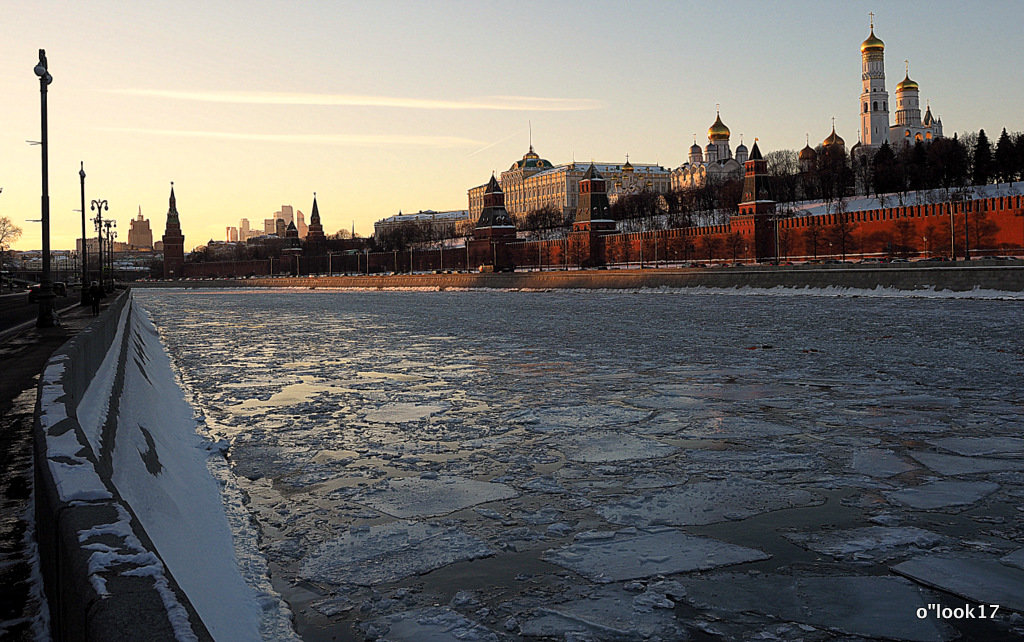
x=705 y=503
x=943 y=494
x=869 y=542
x=428 y=624
x=388 y=552
x=597 y=446
x=956 y=465
x=868 y=606
x=608 y=614
x=876 y=462
x=418 y=497
x=632 y=553
x=984 y=580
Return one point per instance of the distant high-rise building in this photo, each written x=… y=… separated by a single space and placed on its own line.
x=300 y=223
x=244 y=233
x=286 y=213
x=173 y=242
x=140 y=237
x=232 y=235
x=270 y=226
x=280 y=227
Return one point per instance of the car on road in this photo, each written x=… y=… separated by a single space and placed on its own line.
x=59 y=289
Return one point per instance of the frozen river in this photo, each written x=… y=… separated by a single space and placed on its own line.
x=620 y=465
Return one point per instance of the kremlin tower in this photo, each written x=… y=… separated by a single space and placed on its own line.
x=174 y=242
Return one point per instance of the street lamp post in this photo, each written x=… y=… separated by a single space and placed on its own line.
x=98 y=206
x=84 y=254
x=111 y=235
x=47 y=316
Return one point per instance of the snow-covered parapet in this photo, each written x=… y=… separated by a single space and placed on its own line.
x=103 y=579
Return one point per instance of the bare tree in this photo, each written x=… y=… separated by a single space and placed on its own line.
x=9 y=233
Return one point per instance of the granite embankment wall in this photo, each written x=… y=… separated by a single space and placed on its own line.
x=102 y=576
x=960 y=276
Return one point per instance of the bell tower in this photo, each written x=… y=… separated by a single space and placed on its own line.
x=874 y=99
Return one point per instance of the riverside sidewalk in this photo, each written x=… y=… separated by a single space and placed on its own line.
x=24 y=350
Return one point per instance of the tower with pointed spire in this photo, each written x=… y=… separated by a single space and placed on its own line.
x=758 y=207
x=315 y=235
x=174 y=242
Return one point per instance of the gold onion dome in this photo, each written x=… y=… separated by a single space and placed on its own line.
x=718 y=131
x=807 y=153
x=833 y=139
x=872 y=44
x=907 y=85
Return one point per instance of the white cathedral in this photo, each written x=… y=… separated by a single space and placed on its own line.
x=714 y=163
x=875 y=127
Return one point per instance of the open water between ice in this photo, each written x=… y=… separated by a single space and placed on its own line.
x=619 y=465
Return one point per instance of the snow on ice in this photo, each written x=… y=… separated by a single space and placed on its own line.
x=419 y=497
x=705 y=503
x=632 y=553
x=388 y=552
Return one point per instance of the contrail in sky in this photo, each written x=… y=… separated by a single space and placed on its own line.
x=497 y=142
x=487 y=103
x=367 y=140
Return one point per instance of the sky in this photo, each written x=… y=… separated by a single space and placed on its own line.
x=381 y=107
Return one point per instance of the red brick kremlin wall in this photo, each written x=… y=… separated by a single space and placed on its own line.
x=995 y=226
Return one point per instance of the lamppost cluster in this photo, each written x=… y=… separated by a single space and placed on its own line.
x=99 y=206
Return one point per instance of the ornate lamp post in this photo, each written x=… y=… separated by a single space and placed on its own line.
x=47 y=317
x=98 y=206
x=108 y=225
x=84 y=255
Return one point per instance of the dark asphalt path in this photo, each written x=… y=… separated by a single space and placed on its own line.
x=23 y=354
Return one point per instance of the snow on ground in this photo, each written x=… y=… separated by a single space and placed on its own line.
x=160 y=469
x=572 y=458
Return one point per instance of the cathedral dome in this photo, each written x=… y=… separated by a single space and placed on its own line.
x=718 y=131
x=807 y=153
x=906 y=85
x=873 y=43
x=833 y=139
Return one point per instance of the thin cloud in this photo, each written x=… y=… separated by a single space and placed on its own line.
x=484 y=103
x=359 y=140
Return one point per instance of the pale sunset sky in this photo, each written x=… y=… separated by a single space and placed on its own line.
x=387 y=106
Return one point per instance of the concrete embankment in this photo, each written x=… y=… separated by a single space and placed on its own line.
x=957 y=277
x=103 y=577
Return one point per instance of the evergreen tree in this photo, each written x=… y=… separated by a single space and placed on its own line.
x=948 y=162
x=982 y=160
x=884 y=171
x=1005 y=158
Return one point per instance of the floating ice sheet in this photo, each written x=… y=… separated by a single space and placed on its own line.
x=595 y=447
x=388 y=552
x=984 y=580
x=974 y=446
x=876 y=462
x=868 y=542
x=956 y=465
x=942 y=494
x=869 y=606
x=418 y=497
x=610 y=614
x=630 y=554
x=430 y=624
x=705 y=503
x=398 y=413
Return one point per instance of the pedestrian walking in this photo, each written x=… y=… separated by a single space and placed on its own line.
x=95 y=294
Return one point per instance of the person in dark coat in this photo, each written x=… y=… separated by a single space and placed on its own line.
x=95 y=294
